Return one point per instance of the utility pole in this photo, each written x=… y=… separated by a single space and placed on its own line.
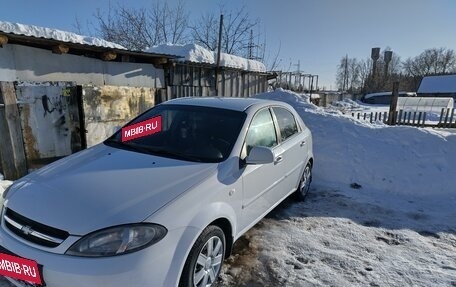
x=297 y=75
x=219 y=49
x=251 y=45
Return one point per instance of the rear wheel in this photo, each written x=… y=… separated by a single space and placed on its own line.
x=205 y=260
x=304 y=183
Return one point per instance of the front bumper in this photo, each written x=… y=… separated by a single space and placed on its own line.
x=157 y=265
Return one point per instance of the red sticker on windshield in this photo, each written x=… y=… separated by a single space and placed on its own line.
x=142 y=129
x=19 y=268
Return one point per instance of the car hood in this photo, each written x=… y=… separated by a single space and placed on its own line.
x=103 y=187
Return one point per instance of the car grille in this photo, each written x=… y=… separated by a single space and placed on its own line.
x=34 y=231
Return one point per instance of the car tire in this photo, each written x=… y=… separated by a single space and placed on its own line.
x=204 y=262
x=304 y=183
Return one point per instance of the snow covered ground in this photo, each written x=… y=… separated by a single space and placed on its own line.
x=380 y=212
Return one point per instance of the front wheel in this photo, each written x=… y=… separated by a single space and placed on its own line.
x=304 y=183
x=205 y=260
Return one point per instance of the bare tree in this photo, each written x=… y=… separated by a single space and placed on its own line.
x=431 y=62
x=140 y=28
x=205 y=31
x=349 y=74
x=236 y=30
x=435 y=61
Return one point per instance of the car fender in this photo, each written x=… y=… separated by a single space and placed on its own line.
x=190 y=233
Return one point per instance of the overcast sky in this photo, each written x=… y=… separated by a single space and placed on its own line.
x=318 y=33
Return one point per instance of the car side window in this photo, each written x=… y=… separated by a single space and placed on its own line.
x=286 y=121
x=261 y=132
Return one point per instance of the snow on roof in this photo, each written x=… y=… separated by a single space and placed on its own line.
x=49 y=33
x=197 y=54
x=438 y=84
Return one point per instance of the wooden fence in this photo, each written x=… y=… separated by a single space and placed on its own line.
x=406 y=118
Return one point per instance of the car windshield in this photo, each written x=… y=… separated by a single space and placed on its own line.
x=192 y=133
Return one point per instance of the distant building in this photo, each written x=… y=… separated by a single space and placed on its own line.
x=438 y=86
x=383 y=98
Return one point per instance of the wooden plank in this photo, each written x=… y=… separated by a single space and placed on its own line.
x=11 y=142
x=399 y=118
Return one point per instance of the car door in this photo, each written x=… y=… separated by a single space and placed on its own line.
x=259 y=181
x=292 y=151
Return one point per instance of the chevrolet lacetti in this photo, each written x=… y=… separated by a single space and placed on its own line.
x=159 y=203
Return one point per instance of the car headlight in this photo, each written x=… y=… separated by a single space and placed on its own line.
x=117 y=240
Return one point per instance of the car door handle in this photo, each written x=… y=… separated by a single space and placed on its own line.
x=278 y=159
x=302 y=143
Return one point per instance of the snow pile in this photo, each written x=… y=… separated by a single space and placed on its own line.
x=198 y=54
x=4 y=184
x=49 y=33
x=346 y=105
x=401 y=160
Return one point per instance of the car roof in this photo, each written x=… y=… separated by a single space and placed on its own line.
x=236 y=104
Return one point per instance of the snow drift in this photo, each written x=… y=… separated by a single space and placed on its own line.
x=402 y=160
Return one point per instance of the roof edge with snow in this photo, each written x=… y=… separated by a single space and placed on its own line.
x=48 y=38
x=439 y=84
x=194 y=53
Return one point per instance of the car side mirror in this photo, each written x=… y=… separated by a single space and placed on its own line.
x=260 y=155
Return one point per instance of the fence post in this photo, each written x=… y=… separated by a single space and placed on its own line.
x=393 y=105
x=424 y=120
x=446 y=118
x=451 y=118
x=11 y=141
x=441 y=117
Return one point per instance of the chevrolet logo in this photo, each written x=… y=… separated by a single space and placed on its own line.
x=27 y=230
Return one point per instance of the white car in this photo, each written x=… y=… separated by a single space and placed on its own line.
x=162 y=209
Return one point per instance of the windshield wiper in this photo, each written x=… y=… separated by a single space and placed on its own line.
x=173 y=153
x=126 y=145
x=153 y=150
